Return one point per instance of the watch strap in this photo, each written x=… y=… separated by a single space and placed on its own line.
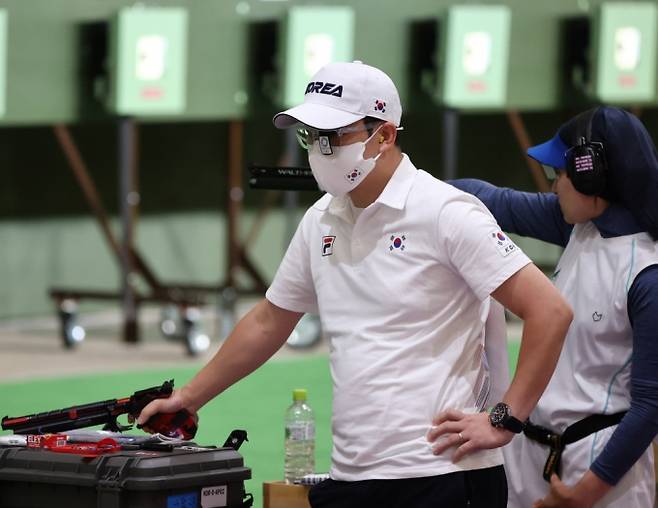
x=513 y=424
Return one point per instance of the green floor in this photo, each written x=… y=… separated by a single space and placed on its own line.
x=257 y=404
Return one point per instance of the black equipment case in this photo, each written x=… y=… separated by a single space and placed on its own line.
x=186 y=477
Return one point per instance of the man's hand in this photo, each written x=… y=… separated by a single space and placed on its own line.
x=584 y=494
x=468 y=432
x=256 y=337
x=171 y=404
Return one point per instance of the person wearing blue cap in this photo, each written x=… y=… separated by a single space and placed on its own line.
x=587 y=441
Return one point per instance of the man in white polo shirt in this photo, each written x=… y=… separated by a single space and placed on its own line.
x=400 y=268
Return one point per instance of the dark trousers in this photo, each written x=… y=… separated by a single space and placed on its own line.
x=479 y=488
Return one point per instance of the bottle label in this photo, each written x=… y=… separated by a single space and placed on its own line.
x=300 y=431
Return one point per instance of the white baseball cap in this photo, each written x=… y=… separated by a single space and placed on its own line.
x=342 y=93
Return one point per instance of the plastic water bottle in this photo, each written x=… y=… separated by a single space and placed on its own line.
x=300 y=438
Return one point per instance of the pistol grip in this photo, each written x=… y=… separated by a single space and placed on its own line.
x=180 y=424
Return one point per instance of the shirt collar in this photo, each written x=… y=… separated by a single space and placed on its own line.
x=616 y=221
x=340 y=207
x=398 y=187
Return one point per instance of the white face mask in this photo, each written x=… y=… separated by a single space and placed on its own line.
x=342 y=171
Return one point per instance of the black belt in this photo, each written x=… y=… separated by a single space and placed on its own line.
x=574 y=432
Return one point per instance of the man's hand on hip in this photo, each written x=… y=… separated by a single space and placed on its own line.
x=469 y=432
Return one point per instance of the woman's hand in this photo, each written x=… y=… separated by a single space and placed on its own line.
x=583 y=494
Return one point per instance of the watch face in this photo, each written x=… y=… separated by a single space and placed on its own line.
x=498 y=414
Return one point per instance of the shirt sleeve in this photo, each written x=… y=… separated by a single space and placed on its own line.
x=474 y=245
x=537 y=215
x=292 y=288
x=640 y=424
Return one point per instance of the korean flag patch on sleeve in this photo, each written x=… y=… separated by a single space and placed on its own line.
x=503 y=243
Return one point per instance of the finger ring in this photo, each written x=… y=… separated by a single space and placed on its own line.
x=461 y=436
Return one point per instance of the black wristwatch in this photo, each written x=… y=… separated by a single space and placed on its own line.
x=501 y=418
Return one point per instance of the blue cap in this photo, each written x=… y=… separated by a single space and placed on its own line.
x=551 y=153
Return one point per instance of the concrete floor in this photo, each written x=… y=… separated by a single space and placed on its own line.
x=33 y=348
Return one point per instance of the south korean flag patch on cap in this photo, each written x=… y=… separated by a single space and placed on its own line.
x=503 y=243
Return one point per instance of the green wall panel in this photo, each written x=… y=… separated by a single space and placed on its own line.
x=71 y=253
x=147 y=61
x=312 y=37
x=50 y=76
x=3 y=60
x=625 y=52
x=476 y=50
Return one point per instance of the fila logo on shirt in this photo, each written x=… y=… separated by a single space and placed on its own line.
x=328 y=245
x=504 y=245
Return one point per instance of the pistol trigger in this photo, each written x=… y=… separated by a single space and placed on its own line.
x=114 y=426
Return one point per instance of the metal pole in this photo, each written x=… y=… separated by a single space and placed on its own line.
x=128 y=200
x=235 y=198
x=81 y=174
x=450 y=143
x=523 y=139
x=228 y=295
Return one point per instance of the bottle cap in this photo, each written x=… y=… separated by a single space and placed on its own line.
x=299 y=394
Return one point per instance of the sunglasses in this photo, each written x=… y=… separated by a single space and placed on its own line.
x=327 y=139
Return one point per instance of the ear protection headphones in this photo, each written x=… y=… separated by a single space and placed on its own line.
x=587 y=167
